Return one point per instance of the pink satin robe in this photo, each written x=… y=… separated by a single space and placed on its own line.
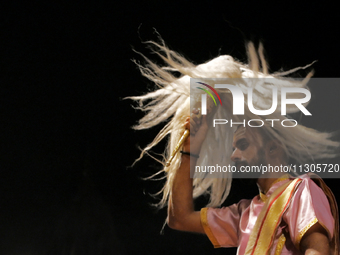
x=231 y=226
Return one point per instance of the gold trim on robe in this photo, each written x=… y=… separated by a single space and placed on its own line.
x=207 y=230
x=303 y=231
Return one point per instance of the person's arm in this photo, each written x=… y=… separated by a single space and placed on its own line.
x=181 y=213
x=315 y=241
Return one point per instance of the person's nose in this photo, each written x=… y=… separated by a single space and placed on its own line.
x=236 y=155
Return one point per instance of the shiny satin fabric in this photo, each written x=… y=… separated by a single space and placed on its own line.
x=231 y=226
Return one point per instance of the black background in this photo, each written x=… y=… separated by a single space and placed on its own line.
x=67 y=143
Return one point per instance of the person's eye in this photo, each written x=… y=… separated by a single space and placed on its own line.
x=243 y=146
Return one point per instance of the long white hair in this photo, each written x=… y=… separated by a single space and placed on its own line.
x=169 y=104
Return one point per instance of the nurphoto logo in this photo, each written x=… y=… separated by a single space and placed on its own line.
x=238 y=99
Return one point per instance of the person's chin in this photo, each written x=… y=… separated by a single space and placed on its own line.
x=241 y=174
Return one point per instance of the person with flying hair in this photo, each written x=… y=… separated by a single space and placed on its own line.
x=291 y=214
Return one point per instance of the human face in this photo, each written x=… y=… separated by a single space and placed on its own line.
x=248 y=148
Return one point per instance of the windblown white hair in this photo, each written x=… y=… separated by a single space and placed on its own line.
x=170 y=104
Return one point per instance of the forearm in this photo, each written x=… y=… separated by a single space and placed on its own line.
x=315 y=241
x=181 y=213
x=181 y=193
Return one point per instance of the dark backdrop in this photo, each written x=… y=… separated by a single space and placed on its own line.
x=67 y=143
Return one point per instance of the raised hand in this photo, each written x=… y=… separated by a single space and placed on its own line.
x=198 y=127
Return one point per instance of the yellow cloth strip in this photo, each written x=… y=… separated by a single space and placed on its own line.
x=280 y=244
x=261 y=238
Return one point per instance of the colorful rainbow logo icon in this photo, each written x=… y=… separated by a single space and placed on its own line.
x=208 y=92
